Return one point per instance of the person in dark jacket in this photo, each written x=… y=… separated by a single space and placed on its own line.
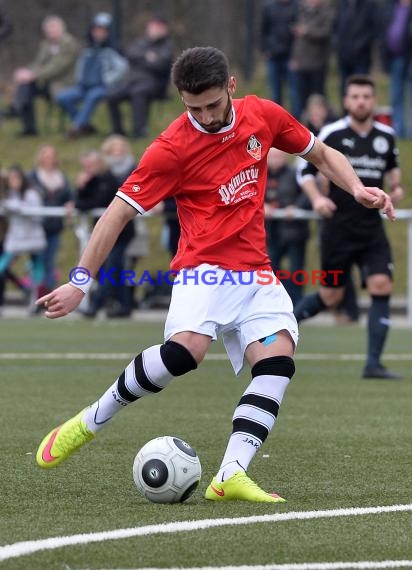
x=6 y=25
x=396 y=49
x=150 y=59
x=276 y=38
x=355 y=32
x=96 y=188
x=286 y=238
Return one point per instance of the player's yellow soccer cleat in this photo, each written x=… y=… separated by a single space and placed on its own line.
x=62 y=441
x=240 y=487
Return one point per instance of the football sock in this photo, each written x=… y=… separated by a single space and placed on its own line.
x=378 y=327
x=253 y=419
x=309 y=306
x=146 y=374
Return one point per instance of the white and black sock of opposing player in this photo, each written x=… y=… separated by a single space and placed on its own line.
x=146 y=374
x=253 y=420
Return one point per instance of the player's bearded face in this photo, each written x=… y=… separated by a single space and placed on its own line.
x=211 y=109
x=360 y=103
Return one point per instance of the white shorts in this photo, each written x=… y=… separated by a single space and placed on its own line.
x=241 y=306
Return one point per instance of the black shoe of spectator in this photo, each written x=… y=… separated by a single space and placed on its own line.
x=118 y=313
x=89 y=313
x=76 y=132
x=380 y=373
x=27 y=133
x=9 y=113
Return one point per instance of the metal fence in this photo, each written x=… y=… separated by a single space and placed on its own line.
x=83 y=224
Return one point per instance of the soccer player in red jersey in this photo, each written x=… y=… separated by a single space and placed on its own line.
x=212 y=160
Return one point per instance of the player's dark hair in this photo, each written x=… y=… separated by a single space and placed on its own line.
x=359 y=80
x=200 y=68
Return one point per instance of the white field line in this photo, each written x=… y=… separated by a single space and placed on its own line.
x=212 y=357
x=363 y=565
x=29 y=547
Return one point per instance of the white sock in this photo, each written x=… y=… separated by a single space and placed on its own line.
x=253 y=420
x=144 y=375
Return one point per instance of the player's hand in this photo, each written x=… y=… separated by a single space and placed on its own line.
x=61 y=301
x=397 y=195
x=324 y=206
x=372 y=197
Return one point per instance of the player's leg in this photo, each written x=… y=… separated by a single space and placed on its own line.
x=272 y=367
x=377 y=259
x=335 y=263
x=148 y=373
x=314 y=303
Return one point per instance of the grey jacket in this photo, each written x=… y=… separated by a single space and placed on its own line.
x=25 y=234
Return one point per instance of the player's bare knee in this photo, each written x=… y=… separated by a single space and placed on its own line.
x=274 y=366
x=197 y=344
x=379 y=284
x=177 y=359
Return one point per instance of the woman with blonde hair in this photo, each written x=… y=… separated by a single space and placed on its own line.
x=55 y=190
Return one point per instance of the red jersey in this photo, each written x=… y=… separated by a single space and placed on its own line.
x=218 y=181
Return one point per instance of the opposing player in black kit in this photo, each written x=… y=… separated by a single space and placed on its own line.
x=350 y=234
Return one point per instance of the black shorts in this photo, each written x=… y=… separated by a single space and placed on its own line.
x=339 y=254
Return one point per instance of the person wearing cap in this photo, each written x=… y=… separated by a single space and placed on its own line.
x=150 y=59
x=99 y=67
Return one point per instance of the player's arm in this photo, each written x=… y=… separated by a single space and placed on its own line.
x=308 y=178
x=396 y=191
x=66 y=298
x=336 y=167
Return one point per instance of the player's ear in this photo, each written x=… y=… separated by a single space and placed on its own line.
x=231 y=86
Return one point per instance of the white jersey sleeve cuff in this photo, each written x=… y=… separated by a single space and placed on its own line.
x=129 y=200
x=309 y=146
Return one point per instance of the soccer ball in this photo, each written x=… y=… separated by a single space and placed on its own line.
x=166 y=470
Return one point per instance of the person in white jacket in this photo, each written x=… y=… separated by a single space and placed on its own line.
x=25 y=234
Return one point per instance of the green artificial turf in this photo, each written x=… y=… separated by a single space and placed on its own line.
x=340 y=442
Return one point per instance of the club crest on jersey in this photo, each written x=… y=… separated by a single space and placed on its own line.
x=254 y=148
x=380 y=145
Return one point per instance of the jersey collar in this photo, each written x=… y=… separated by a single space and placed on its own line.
x=222 y=130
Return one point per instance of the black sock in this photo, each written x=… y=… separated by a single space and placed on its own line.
x=378 y=327
x=309 y=306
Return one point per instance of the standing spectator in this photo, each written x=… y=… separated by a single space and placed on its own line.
x=286 y=238
x=355 y=32
x=55 y=189
x=25 y=234
x=96 y=187
x=150 y=59
x=118 y=154
x=278 y=19
x=6 y=25
x=352 y=235
x=98 y=69
x=51 y=71
x=317 y=113
x=172 y=225
x=397 y=60
x=311 y=48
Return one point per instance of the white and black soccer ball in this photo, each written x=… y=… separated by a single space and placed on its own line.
x=167 y=470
